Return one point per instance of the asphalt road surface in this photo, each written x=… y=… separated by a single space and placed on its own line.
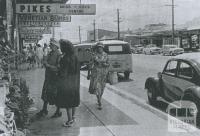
x=144 y=66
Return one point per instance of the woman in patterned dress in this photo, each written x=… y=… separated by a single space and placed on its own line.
x=99 y=70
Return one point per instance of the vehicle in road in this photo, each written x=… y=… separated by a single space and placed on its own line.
x=180 y=80
x=151 y=49
x=172 y=50
x=138 y=49
x=120 y=56
x=84 y=52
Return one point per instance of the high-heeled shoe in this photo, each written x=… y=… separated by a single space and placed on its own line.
x=42 y=113
x=68 y=123
x=57 y=114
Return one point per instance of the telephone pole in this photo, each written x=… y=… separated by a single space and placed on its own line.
x=172 y=21
x=94 y=24
x=118 y=30
x=79 y=30
x=172 y=6
x=53 y=35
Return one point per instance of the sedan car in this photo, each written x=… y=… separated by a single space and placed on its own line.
x=138 y=49
x=151 y=49
x=172 y=50
x=179 y=80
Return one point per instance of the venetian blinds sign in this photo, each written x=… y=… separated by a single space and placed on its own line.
x=69 y=9
x=35 y=30
x=44 y=18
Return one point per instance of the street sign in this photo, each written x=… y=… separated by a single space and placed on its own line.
x=38 y=24
x=69 y=9
x=35 y=30
x=44 y=17
x=41 y=1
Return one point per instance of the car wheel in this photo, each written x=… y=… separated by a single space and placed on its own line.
x=151 y=93
x=126 y=75
x=190 y=98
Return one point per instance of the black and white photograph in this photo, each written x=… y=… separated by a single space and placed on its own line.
x=99 y=68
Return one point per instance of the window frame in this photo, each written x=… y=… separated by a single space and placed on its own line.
x=167 y=73
x=185 y=77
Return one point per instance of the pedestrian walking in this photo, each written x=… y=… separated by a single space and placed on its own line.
x=49 y=91
x=39 y=55
x=98 y=75
x=31 y=57
x=68 y=95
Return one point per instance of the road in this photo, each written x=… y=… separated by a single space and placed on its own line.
x=144 y=66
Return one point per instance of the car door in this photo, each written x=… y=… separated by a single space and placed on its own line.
x=185 y=77
x=169 y=77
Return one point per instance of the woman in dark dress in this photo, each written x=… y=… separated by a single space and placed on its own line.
x=68 y=81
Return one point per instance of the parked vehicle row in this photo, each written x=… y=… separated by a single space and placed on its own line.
x=152 y=49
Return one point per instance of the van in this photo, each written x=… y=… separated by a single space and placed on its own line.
x=120 y=56
x=84 y=53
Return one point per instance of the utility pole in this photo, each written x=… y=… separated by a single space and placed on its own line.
x=53 y=32
x=94 y=24
x=80 y=1
x=79 y=30
x=172 y=21
x=172 y=6
x=118 y=30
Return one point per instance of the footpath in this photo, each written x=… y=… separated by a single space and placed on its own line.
x=122 y=114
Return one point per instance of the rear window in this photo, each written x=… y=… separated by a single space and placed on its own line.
x=117 y=49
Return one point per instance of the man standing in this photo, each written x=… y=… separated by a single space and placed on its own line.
x=49 y=90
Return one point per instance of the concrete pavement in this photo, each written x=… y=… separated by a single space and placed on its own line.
x=119 y=116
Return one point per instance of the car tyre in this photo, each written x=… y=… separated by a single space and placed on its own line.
x=152 y=97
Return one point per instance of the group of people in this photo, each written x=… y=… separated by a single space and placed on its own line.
x=62 y=79
x=35 y=55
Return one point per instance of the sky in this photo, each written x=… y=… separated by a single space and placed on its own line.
x=133 y=14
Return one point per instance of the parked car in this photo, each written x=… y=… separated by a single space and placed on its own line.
x=120 y=56
x=180 y=80
x=151 y=49
x=138 y=49
x=172 y=50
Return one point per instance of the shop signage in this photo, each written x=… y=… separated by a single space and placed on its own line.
x=30 y=36
x=38 y=24
x=44 y=18
x=30 y=40
x=69 y=9
x=35 y=30
x=41 y=1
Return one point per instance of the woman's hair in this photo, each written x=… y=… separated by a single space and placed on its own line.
x=66 y=47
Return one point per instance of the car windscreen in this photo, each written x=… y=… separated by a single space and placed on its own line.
x=117 y=49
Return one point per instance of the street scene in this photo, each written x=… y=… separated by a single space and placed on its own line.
x=99 y=68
